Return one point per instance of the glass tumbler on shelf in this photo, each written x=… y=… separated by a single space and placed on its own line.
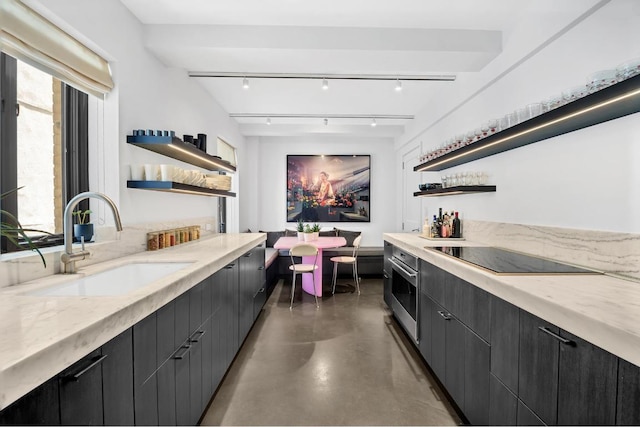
x=444 y=181
x=628 y=69
x=534 y=109
x=493 y=126
x=522 y=115
x=601 y=79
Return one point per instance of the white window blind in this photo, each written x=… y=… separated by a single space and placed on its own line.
x=226 y=151
x=28 y=36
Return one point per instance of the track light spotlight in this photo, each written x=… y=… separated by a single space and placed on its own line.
x=245 y=83
x=398 y=85
x=268 y=121
x=326 y=121
x=325 y=84
x=373 y=123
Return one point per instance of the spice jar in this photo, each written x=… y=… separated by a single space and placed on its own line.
x=152 y=241
x=160 y=240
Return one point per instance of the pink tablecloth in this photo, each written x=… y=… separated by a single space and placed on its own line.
x=321 y=243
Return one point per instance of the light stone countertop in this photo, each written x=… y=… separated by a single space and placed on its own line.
x=42 y=335
x=601 y=309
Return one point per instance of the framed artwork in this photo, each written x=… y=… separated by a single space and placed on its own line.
x=322 y=188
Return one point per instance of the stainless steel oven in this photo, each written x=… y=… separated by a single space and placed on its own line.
x=404 y=290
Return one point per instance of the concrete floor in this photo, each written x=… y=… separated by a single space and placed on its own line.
x=346 y=363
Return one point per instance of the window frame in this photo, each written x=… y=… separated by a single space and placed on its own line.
x=75 y=148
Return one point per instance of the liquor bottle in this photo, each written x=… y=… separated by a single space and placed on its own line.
x=434 y=227
x=456 y=232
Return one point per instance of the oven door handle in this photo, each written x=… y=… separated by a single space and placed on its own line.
x=404 y=270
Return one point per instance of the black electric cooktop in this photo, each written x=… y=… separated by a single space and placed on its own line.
x=501 y=261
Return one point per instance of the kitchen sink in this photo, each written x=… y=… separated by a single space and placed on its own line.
x=116 y=281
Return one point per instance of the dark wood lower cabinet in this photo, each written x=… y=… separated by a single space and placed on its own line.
x=41 y=406
x=195 y=381
x=425 y=318
x=455 y=364
x=538 y=367
x=628 y=405
x=476 y=378
x=438 y=341
x=526 y=417
x=81 y=392
x=505 y=339
x=117 y=380
x=503 y=404
x=587 y=383
x=167 y=393
x=207 y=363
x=145 y=385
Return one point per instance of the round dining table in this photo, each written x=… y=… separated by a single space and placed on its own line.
x=323 y=242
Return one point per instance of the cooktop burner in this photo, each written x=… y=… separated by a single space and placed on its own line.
x=501 y=261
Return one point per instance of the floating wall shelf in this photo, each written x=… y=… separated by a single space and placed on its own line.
x=176 y=187
x=177 y=149
x=460 y=189
x=610 y=103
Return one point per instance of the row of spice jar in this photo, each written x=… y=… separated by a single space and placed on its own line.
x=168 y=238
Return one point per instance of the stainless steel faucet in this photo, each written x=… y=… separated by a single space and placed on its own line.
x=69 y=257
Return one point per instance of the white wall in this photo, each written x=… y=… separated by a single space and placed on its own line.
x=586 y=179
x=267 y=182
x=147 y=95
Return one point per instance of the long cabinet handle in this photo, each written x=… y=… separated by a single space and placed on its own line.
x=404 y=270
x=77 y=375
x=261 y=267
x=199 y=334
x=229 y=266
x=248 y=254
x=556 y=336
x=186 y=349
x=444 y=315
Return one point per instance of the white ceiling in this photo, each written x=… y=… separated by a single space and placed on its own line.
x=400 y=37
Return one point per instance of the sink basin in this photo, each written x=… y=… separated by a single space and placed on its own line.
x=117 y=281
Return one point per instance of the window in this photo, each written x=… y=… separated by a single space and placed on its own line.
x=43 y=148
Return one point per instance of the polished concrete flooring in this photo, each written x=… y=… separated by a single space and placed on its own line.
x=346 y=363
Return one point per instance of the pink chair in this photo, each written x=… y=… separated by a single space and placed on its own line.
x=302 y=250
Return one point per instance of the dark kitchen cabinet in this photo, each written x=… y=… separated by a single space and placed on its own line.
x=40 y=406
x=81 y=391
x=447 y=346
x=628 y=407
x=96 y=390
x=426 y=308
x=145 y=386
x=538 y=367
x=228 y=279
x=505 y=338
x=503 y=404
x=526 y=417
x=564 y=379
x=117 y=380
x=207 y=363
x=251 y=279
x=181 y=359
x=477 y=361
x=386 y=273
x=432 y=282
x=195 y=376
x=455 y=363
x=166 y=379
x=587 y=383
x=476 y=308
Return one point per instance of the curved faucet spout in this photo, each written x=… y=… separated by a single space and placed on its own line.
x=69 y=258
